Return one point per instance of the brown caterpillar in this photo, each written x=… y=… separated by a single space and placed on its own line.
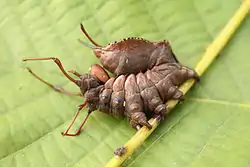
x=148 y=74
x=134 y=96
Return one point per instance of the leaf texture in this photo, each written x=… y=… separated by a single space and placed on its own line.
x=211 y=128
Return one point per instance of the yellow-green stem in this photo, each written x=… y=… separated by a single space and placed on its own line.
x=210 y=54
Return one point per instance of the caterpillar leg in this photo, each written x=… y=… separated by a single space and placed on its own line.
x=105 y=96
x=175 y=93
x=139 y=119
x=55 y=87
x=168 y=86
x=134 y=104
x=190 y=73
x=117 y=99
x=150 y=95
x=80 y=107
x=166 y=89
x=59 y=64
x=183 y=74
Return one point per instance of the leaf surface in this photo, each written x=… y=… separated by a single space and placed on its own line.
x=211 y=128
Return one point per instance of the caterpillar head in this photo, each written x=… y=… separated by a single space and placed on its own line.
x=96 y=77
x=87 y=82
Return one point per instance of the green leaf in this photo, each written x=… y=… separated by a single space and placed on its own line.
x=211 y=128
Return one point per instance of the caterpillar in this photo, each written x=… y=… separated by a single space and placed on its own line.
x=147 y=75
x=134 y=96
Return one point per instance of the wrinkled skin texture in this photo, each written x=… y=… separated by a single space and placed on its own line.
x=148 y=74
x=134 y=95
x=133 y=55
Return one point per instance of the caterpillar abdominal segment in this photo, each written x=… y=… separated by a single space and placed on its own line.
x=134 y=96
x=141 y=93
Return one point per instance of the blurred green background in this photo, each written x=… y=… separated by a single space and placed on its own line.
x=211 y=128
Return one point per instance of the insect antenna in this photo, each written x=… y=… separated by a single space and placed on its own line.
x=80 y=107
x=87 y=35
x=88 y=45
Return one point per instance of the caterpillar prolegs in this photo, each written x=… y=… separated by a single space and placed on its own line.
x=134 y=96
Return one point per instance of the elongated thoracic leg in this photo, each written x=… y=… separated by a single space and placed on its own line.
x=80 y=107
x=55 y=87
x=58 y=63
x=134 y=104
x=96 y=69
